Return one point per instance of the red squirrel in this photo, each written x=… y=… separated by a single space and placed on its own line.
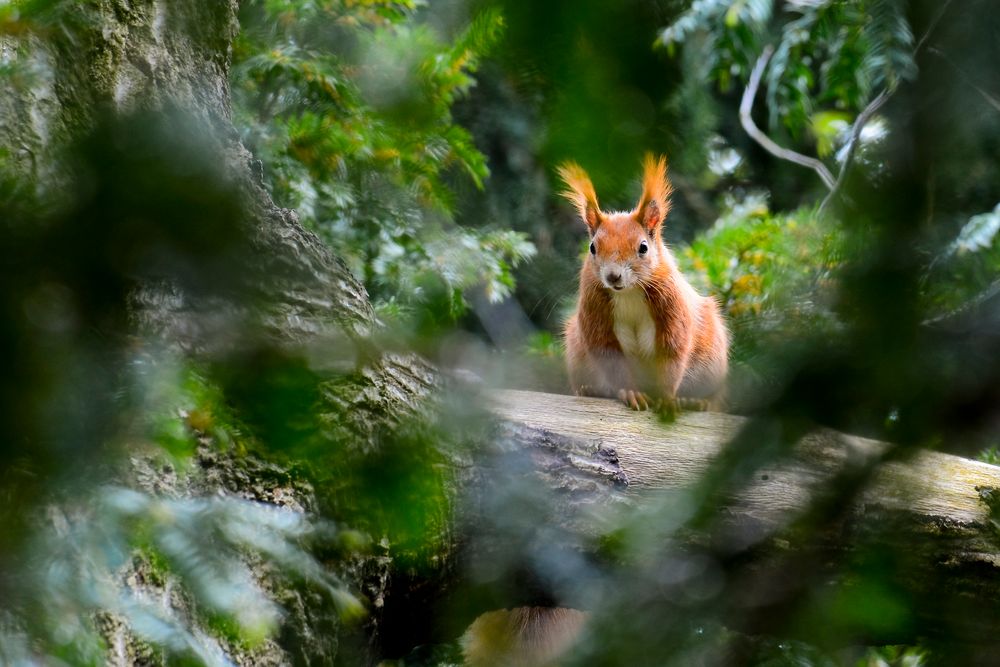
x=640 y=332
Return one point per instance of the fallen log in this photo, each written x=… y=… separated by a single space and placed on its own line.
x=913 y=556
x=926 y=514
x=653 y=456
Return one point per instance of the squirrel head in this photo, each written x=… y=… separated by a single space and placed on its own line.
x=625 y=248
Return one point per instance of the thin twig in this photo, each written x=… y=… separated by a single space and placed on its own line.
x=746 y=107
x=986 y=95
x=872 y=109
x=852 y=145
x=930 y=28
x=982 y=297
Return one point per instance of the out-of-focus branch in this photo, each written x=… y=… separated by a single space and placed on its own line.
x=878 y=103
x=746 y=120
x=991 y=291
x=852 y=145
x=985 y=94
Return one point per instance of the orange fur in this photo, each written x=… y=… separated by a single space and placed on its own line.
x=522 y=637
x=581 y=192
x=640 y=328
x=656 y=190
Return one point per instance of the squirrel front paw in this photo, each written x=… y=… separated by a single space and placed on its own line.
x=634 y=399
x=695 y=404
x=668 y=409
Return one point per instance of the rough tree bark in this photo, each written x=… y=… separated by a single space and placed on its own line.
x=141 y=55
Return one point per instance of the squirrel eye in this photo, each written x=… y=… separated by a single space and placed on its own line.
x=643 y=247
x=593 y=250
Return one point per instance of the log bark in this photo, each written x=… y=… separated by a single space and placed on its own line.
x=933 y=507
x=651 y=456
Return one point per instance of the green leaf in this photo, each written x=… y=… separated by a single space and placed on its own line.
x=827 y=126
x=978 y=233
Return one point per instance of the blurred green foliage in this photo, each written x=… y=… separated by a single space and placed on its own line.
x=828 y=56
x=964 y=272
x=876 y=316
x=418 y=144
x=755 y=261
x=775 y=276
x=84 y=394
x=348 y=105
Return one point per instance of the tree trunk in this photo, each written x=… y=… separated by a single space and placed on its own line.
x=152 y=55
x=160 y=55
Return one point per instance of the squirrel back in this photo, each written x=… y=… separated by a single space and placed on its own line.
x=640 y=331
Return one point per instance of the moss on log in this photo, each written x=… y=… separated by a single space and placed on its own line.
x=933 y=508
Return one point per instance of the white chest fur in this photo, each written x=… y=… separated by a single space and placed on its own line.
x=634 y=326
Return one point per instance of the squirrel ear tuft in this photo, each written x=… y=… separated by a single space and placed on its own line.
x=650 y=215
x=654 y=203
x=580 y=191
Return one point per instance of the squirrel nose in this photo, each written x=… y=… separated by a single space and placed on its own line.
x=613 y=277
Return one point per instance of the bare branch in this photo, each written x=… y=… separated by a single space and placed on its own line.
x=852 y=145
x=930 y=28
x=746 y=120
x=874 y=106
x=991 y=291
